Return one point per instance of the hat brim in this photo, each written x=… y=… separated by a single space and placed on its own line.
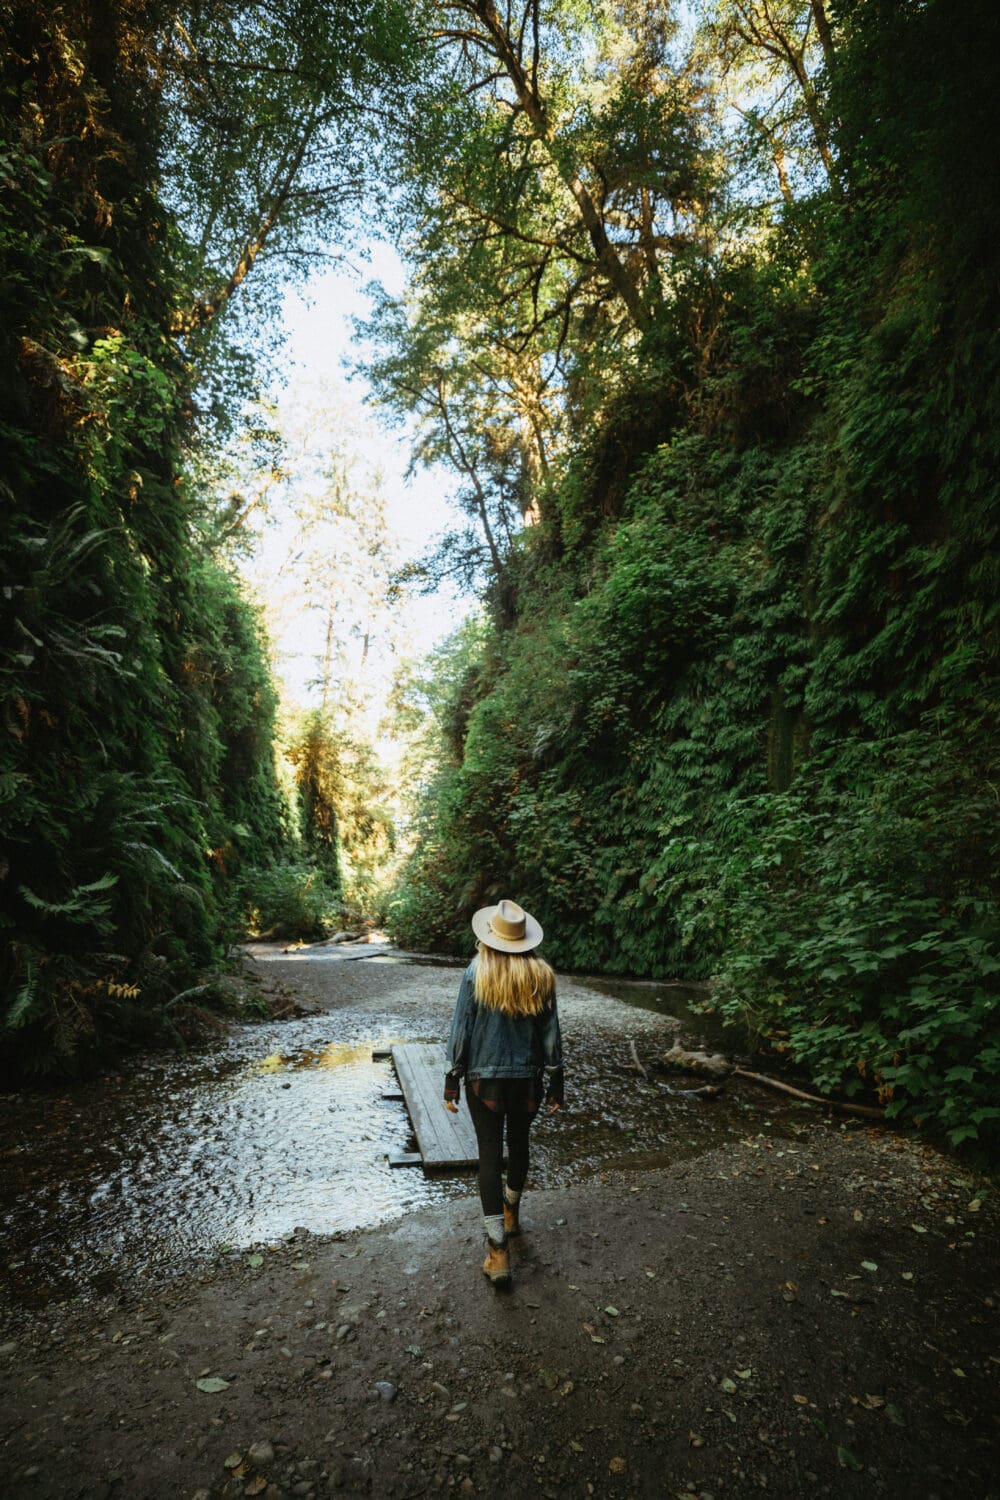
x=481 y=927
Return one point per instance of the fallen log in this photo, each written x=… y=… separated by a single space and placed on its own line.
x=713 y=1064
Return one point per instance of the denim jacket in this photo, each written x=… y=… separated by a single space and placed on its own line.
x=488 y=1043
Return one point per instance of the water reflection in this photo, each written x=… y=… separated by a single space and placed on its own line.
x=335 y=1055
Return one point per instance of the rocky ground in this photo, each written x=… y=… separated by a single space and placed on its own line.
x=787 y=1317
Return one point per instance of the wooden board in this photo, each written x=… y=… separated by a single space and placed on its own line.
x=444 y=1139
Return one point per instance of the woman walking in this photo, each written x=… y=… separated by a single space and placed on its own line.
x=504 y=1041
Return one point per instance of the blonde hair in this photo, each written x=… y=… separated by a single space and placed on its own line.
x=519 y=984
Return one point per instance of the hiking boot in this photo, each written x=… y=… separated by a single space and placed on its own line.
x=497 y=1264
x=511 y=1217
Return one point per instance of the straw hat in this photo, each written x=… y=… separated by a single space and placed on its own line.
x=507 y=927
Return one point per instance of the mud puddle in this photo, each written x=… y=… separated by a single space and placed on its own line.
x=150 y=1172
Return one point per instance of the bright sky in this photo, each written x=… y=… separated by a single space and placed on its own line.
x=318 y=337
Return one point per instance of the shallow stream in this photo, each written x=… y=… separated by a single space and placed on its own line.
x=147 y=1172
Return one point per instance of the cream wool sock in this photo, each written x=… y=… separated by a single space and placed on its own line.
x=495 y=1232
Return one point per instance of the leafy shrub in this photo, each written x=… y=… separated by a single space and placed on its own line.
x=287 y=901
x=864 y=930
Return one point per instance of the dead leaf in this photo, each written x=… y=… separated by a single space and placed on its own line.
x=617 y=1465
x=848 y=1460
x=696 y=1440
x=256 y=1486
x=212 y=1385
x=233 y=1461
x=802 y=1400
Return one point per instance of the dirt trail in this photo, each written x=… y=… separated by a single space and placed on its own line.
x=815 y=1316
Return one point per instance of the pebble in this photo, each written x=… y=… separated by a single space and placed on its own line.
x=386 y=1390
x=6 y=1349
x=261 y=1453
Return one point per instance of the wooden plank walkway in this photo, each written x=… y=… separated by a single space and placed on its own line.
x=444 y=1139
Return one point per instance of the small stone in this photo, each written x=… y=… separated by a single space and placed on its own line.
x=496 y=1455
x=617 y=1465
x=261 y=1453
x=6 y=1349
x=386 y=1390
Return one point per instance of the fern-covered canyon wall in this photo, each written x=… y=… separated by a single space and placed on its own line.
x=136 y=756
x=740 y=720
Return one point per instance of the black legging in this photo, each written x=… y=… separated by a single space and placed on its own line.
x=489 y=1125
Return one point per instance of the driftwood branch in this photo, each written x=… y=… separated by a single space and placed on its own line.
x=717 y=1066
x=635 y=1059
x=869 y=1111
